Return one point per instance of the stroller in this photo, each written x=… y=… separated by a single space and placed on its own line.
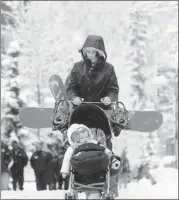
x=93 y=117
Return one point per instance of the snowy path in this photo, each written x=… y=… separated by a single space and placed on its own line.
x=166 y=188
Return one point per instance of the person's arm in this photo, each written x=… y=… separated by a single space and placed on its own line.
x=25 y=158
x=66 y=161
x=32 y=161
x=49 y=157
x=10 y=164
x=8 y=159
x=112 y=88
x=9 y=155
x=71 y=85
x=108 y=151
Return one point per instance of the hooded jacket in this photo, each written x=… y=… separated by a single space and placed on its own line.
x=92 y=82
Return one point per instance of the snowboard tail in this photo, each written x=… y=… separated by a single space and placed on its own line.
x=145 y=121
x=34 y=117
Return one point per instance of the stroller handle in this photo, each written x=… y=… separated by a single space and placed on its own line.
x=89 y=102
x=115 y=104
x=95 y=102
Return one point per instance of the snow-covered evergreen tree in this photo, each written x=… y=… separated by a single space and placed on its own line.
x=11 y=102
x=165 y=51
x=160 y=50
x=137 y=57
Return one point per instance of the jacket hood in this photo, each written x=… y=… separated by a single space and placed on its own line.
x=73 y=128
x=95 y=42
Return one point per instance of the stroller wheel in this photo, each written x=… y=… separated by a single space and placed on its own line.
x=68 y=196
x=109 y=197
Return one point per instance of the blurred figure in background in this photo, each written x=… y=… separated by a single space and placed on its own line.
x=54 y=167
x=20 y=160
x=39 y=162
x=61 y=181
x=145 y=162
x=52 y=176
x=144 y=171
x=6 y=163
x=125 y=174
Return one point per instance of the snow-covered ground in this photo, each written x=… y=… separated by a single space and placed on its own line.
x=166 y=188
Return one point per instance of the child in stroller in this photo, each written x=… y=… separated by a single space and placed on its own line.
x=89 y=161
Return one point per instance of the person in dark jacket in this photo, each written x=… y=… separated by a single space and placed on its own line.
x=20 y=161
x=93 y=79
x=39 y=162
x=6 y=161
x=54 y=167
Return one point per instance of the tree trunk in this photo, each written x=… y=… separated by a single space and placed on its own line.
x=39 y=103
x=176 y=118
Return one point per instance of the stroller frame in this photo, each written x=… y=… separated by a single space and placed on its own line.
x=75 y=187
x=99 y=119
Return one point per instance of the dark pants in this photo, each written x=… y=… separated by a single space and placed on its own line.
x=61 y=180
x=144 y=172
x=52 y=180
x=41 y=180
x=18 y=177
x=52 y=186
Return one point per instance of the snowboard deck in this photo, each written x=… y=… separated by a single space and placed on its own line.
x=35 y=117
x=142 y=121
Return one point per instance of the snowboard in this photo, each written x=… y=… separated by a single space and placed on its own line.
x=141 y=121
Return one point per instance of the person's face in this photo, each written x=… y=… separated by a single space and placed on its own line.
x=14 y=145
x=91 y=54
x=80 y=136
x=84 y=136
x=38 y=147
x=75 y=137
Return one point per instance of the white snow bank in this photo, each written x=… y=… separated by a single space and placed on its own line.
x=166 y=188
x=32 y=194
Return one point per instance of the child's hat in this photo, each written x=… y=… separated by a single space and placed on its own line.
x=73 y=128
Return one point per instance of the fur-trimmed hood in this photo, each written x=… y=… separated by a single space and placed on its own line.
x=73 y=128
x=95 y=42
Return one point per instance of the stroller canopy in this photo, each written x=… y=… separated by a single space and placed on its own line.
x=92 y=116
